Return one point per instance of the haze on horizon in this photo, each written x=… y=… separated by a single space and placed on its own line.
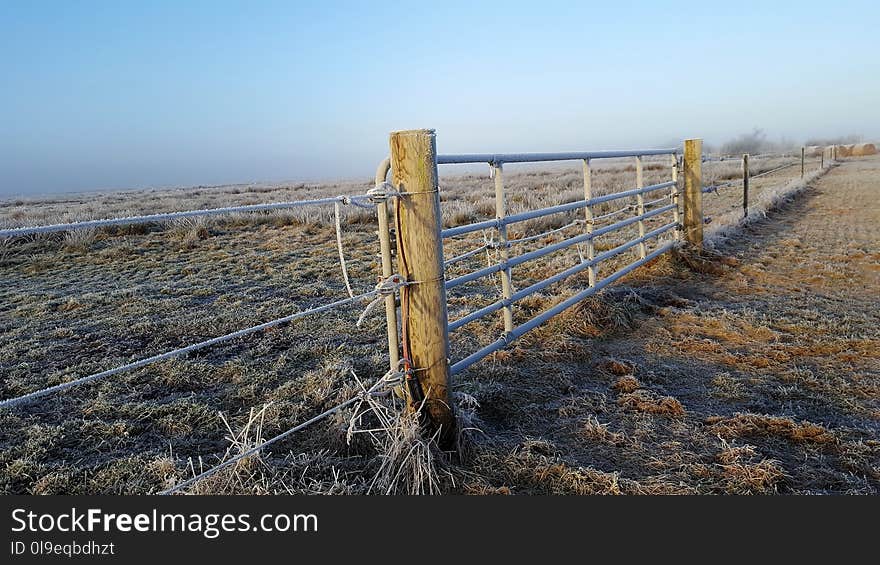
x=104 y=95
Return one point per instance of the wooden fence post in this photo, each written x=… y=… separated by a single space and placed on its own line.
x=745 y=168
x=803 y=151
x=420 y=260
x=693 y=191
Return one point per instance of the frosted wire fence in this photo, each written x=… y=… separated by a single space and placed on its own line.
x=589 y=263
x=386 y=287
x=713 y=187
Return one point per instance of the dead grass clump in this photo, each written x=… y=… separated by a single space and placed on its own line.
x=189 y=231
x=6 y=252
x=80 y=239
x=627 y=383
x=245 y=475
x=409 y=462
x=612 y=310
x=750 y=425
x=726 y=387
x=743 y=471
x=595 y=430
x=548 y=474
x=703 y=260
x=651 y=403
x=69 y=305
x=615 y=367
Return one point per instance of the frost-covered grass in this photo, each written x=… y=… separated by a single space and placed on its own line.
x=72 y=306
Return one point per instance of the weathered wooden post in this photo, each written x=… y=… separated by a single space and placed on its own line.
x=745 y=168
x=693 y=191
x=420 y=260
x=803 y=151
x=822 y=160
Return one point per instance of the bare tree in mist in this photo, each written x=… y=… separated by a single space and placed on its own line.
x=754 y=142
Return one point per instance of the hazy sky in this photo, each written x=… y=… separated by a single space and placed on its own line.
x=133 y=94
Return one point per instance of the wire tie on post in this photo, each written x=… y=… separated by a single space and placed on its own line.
x=383 y=288
x=381 y=192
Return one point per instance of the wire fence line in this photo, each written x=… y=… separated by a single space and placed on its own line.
x=385 y=287
x=734 y=182
x=359 y=200
x=30 y=397
x=734 y=158
x=771 y=171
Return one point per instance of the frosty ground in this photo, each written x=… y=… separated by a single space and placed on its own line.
x=750 y=370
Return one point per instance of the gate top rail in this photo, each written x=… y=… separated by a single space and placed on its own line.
x=499 y=158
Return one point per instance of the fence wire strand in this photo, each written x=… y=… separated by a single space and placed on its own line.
x=13 y=402
x=360 y=201
x=388 y=378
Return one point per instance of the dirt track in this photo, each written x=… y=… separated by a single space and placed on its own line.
x=759 y=374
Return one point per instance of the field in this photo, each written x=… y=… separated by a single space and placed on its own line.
x=753 y=369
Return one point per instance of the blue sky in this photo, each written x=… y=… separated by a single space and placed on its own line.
x=103 y=95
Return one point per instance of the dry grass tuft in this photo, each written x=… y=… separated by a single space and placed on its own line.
x=627 y=383
x=69 y=305
x=750 y=425
x=6 y=251
x=409 y=462
x=595 y=430
x=651 y=403
x=703 y=260
x=189 y=231
x=80 y=239
x=536 y=472
x=597 y=314
x=615 y=367
x=246 y=475
x=743 y=471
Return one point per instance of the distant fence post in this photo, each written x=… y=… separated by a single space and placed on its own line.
x=745 y=168
x=420 y=260
x=693 y=191
x=803 y=153
x=822 y=160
